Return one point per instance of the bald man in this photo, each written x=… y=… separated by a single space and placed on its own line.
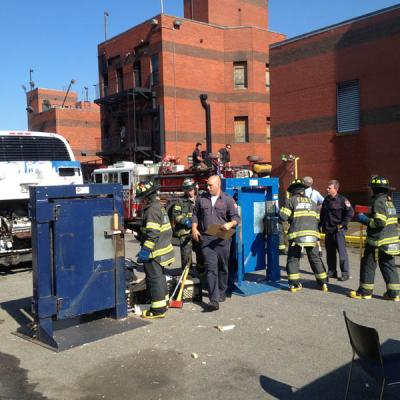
x=214 y=207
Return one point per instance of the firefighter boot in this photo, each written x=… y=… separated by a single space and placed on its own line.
x=324 y=288
x=390 y=298
x=355 y=294
x=295 y=287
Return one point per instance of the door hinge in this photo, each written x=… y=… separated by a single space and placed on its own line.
x=56 y=212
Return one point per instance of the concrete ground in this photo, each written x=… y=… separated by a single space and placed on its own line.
x=283 y=346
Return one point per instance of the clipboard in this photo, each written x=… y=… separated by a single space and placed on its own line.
x=215 y=230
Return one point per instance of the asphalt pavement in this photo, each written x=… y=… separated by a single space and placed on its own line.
x=282 y=346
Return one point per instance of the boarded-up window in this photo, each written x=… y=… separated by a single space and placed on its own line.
x=240 y=74
x=241 y=129
x=348 y=106
x=267 y=80
x=268 y=130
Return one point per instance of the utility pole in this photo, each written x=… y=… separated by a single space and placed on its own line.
x=106 y=14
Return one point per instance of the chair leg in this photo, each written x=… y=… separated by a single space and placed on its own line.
x=349 y=377
x=382 y=389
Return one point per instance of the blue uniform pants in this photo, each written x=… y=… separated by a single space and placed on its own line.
x=215 y=258
x=335 y=242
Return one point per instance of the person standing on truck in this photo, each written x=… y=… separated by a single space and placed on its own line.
x=182 y=220
x=156 y=248
x=197 y=156
x=225 y=156
x=214 y=208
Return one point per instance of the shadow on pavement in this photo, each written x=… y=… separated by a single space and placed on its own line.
x=19 y=310
x=14 y=383
x=333 y=385
x=15 y=269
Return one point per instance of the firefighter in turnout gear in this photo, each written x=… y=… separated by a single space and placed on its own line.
x=382 y=243
x=182 y=218
x=156 y=249
x=303 y=216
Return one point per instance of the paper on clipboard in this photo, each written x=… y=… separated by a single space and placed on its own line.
x=215 y=230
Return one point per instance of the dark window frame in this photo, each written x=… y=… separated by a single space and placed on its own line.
x=348 y=110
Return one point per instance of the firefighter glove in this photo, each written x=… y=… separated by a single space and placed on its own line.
x=187 y=222
x=143 y=255
x=362 y=219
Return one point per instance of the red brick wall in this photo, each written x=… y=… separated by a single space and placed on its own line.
x=53 y=97
x=79 y=124
x=228 y=12
x=198 y=58
x=304 y=75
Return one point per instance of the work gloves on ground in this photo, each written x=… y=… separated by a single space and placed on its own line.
x=362 y=219
x=187 y=222
x=143 y=255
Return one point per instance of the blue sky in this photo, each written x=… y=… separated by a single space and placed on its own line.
x=58 y=39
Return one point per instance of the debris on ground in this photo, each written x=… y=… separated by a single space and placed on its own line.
x=223 y=328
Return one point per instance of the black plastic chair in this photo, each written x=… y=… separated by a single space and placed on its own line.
x=385 y=369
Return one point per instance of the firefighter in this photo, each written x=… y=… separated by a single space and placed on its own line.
x=382 y=243
x=303 y=216
x=156 y=249
x=182 y=218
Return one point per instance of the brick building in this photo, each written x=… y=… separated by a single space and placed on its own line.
x=336 y=103
x=151 y=78
x=78 y=121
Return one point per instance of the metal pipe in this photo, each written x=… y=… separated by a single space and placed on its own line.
x=206 y=106
x=66 y=94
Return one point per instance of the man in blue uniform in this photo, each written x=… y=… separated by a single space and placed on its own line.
x=336 y=213
x=214 y=207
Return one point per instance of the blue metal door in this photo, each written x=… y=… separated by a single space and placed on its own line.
x=252 y=206
x=84 y=257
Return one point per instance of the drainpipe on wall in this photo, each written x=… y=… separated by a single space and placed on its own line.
x=206 y=106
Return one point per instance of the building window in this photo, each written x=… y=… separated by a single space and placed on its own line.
x=268 y=130
x=120 y=80
x=241 y=129
x=348 y=106
x=137 y=76
x=105 y=85
x=155 y=72
x=46 y=106
x=267 y=80
x=240 y=75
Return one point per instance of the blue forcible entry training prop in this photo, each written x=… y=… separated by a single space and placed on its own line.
x=256 y=243
x=78 y=263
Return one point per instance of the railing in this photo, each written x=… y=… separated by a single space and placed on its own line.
x=144 y=139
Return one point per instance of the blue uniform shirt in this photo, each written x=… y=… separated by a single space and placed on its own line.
x=205 y=214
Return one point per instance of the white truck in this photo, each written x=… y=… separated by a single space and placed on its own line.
x=27 y=159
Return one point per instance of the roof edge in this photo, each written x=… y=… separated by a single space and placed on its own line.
x=330 y=27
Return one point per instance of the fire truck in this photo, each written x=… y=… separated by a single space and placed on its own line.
x=169 y=174
x=128 y=174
